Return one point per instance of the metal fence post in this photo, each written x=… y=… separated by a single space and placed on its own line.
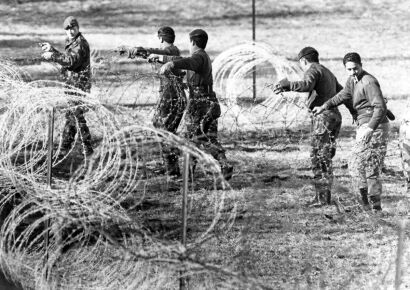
x=183 y=281
x=50 y=137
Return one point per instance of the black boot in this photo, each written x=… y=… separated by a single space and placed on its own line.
x=227 y=171
x=365 y=199
x=408 y=184
x=376 y=203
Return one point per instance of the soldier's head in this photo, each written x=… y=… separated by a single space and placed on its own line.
x=198 y=38
x=307 y=56
x=71 y=27
x=353 y=64
x=166 y=34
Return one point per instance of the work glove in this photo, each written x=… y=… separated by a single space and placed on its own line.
x=282 y=86
x=166 y=68
x=365 y=135
x=154 y=58
x=137 y=51
x=48 y=55
x=122 y=50
x=46 y=47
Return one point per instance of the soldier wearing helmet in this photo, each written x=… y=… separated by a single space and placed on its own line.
x=172 y=100
x=203 y=108
x=75 y=62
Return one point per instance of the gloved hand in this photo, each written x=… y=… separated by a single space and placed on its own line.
x=282 y=86
x=46 y=47
x=48 y=55
x=137 y=51
x=166 y=68
x=122 y=49
x=318 y=110
x=154 y=57
x=365 y=135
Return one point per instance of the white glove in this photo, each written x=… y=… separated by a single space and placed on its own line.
x=45 y=46
x=47 y=55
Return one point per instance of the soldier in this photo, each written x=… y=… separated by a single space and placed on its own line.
x=75 y=62
x=203 y=108
x=321 y=84
x=404 y=138
x=372 y=131
x=172 y=101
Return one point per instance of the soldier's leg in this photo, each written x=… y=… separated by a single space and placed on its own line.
x=85 y=135
x=405 y=150
x=325 y=129
x=214 y=147
x=377 y=146
x=69 y=131
x=168 y=116
x=357 y=167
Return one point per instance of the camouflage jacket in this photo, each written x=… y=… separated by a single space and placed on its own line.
x=75 y=62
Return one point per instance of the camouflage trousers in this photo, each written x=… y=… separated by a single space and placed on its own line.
x=404 y=143
x=168 y=116
x=367 y=160
x=325 y=129
x=201 y=120
x=75 y=119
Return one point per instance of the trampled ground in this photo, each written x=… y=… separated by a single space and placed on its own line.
x=275 y=238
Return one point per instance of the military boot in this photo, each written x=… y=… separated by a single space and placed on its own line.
x=375 y=191
x=227 y=171
x=365 y=199
x=408 y=185
x=376 y=202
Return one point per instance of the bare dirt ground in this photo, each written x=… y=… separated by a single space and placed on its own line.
x=276 y=237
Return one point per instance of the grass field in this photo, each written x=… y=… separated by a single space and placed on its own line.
x=275 y=238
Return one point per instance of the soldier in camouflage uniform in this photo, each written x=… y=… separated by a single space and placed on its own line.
x=321 y=84
x=203 y=108
x=75 y=62
x=404 y=138
x=373 y=128
x=172 y=101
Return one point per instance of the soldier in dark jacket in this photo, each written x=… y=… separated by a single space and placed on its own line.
x=172 y=101
x=203 y=108
x=372 y=133
x=322 y=85
x=75 y=62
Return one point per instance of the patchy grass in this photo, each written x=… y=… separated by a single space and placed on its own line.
x=276 y=237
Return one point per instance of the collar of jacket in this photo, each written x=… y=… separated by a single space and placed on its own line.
x=70 y=42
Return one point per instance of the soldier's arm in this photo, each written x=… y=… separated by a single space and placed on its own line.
x=73 y=59
x=308 y=83
x=375 y=97
x=344 y=96
x=165 y=51
x=193 y=63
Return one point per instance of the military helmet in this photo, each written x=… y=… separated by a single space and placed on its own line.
x=199 y=33
x=70 y=22
x=306 y=51
x=167 y=34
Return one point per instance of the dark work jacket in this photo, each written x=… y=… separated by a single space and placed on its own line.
x=199 y=68
x=171 y=50
x=75 y=62
x=320 y=79
x=367 y=99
